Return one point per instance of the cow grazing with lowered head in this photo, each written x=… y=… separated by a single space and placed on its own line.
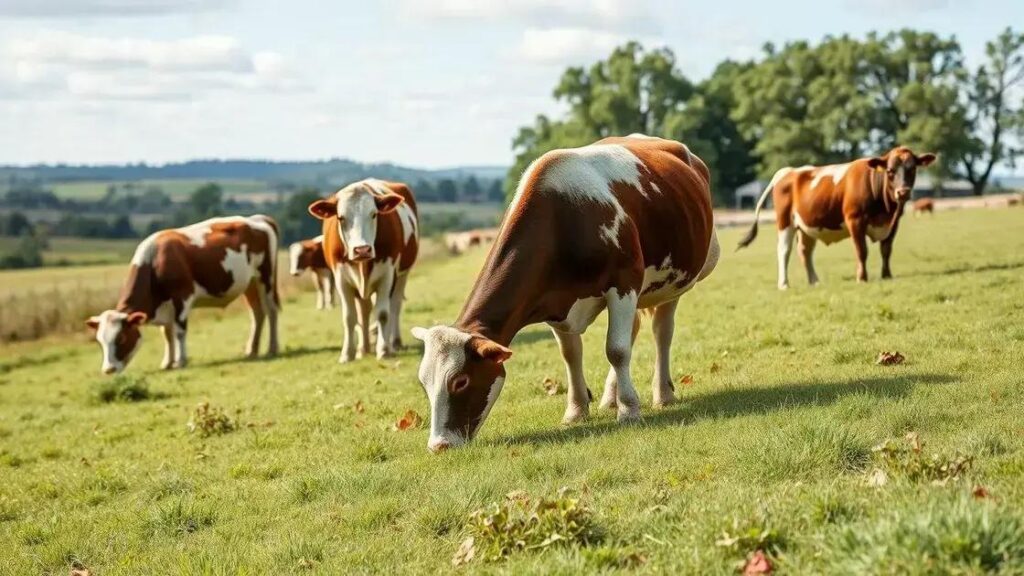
x=371 y=239
x=860 y=199
x=309 y=255
x=624 y=225
x=208 y=264
x=923 y=205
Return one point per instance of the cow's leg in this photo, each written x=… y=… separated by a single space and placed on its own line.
x=382 y=313
x=254 y=298
x=578 y=397
x=886 y=250
x=168 y=331
x=327 y=286
x=622 y=318
x=785 y=247
x=608 y=397
x=858 y=232
x=270 y=308
x=397 y=301
x=320 y=295
x=364 y=306
x=663 y=326
x=807 y=244
x=180 y=334
x=348 y=319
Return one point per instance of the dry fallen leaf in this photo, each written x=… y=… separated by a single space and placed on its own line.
x=465 y=553
x=408 y=421
x=890 y=358
x=358 y=407
x=686 y=380
x=980 y=492
x=551 y=387
x=759 y=563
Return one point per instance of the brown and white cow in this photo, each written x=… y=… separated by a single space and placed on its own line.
x=624 y=225
x=860 y=199
x=208 y=264
x=371 y=239
x=459 y=242
x=922 y=205
x=309 y=255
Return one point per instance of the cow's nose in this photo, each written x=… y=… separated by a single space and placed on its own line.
x=364 y=252
x=438 y=446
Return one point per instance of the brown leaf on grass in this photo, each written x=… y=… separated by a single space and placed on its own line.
x=890 y=358
x=358 y=407
x=411 y=419
x=551 y=387
x=715 y=367
x=465 y=553
x=758 y=563
x=980 y=492
x=686 y=380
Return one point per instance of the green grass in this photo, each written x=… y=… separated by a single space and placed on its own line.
x=79 y=251
x=175 y=188
x=770 y=448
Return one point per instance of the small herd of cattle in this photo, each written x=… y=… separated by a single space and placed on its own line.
x=621 y=225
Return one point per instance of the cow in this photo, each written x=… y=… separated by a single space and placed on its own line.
x=207 y=264
x=371 y=239
x=459 y=242
x=922 y=205
x=860 y=199
x=309 y=255
x=624 y=224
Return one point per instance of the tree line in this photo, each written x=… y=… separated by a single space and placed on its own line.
x=802 y=103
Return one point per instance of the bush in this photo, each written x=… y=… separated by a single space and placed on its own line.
x=209 y=421
x=121 y=388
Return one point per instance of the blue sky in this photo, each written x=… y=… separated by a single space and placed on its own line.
x=429 y=83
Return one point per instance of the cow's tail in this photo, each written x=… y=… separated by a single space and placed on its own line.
x=274 y=245
x=752 y=233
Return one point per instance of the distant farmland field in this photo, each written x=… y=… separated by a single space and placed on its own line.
x=93 y=190
x=78 y=251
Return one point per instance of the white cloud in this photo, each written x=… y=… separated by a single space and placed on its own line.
x=560 y=46
x=605 y=14
x=54 y=64
x=102 y=8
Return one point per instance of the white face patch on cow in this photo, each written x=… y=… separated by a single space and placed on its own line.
x=108 y=327
x=835 y=171
x=357 y=219
x=444 y=356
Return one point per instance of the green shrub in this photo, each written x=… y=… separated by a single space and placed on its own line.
x=121 y=388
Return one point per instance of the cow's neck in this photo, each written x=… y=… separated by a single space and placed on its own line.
x=137 y=294
x=509 y=289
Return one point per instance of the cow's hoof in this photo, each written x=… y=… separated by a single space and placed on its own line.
x=574 y=414
x=346 y=358
x=664 y=401
x=384 y=354
x=608 y=404
x=179 y=364
x=628 y=414
x=784 y=286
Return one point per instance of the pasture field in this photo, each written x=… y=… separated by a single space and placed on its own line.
x=175 y=188
x=769 y=449
x=79 y=251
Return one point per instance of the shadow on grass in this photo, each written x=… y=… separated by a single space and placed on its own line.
x=735 y=402
x=297 y=352
x=965 y=268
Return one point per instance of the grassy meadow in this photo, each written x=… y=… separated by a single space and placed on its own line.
x=769 y=453
x=175 y=188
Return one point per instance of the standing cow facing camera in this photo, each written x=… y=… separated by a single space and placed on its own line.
x=309 y=255
x=371 y=239
x=860 y=199
x=208 y=264
x=624 y=225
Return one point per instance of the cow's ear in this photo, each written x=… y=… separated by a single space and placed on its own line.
x=488 y=349
x=419 y=333
x=387 y=202
x=324 y=209
x=93 y=322
x=137 y=318
x=878 y=163
x=925 y=159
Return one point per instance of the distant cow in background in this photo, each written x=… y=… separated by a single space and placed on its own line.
x=309 y=255
x=371 y=240
x=860 y=199
x=206 y=264
x=459 y=242
x=922 y=205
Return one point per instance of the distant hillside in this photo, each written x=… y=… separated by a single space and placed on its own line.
x=318 y=173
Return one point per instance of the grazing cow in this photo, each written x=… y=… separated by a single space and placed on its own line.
x=459 y=242
x=371 y=238
x=624 y=224
x=922 y=205
x=860 y=199
x=208 y=264
x=309 y=255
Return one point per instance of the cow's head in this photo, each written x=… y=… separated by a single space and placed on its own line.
x=357 y=207
x=119 y=337
x=900 y=166
x=462 y=375
x=300 y=257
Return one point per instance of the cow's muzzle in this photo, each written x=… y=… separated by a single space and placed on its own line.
x=361 y=253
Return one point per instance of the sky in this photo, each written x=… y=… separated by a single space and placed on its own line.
x=425 y=83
